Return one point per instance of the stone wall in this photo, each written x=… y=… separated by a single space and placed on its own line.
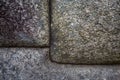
x=59 y=40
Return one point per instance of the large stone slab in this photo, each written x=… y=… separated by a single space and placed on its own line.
x=24 y=23
x=34 y=64
x=86 y=31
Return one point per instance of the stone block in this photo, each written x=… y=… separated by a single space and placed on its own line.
x=34 y=64
x=24 y=23
x=85 y=31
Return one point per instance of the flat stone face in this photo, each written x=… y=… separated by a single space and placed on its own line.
x=86 y=31
x=34 y=64
x=23 y=22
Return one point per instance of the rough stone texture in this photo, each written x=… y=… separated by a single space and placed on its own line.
x=86 y=31
x=24 y=22
x=34 y=64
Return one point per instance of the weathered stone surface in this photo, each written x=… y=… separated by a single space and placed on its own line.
x=86 y=31
x=34 y=64
x=24 y=22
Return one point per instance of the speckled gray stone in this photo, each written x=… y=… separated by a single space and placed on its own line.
x=86 y=31
x=34 y=64
x=24 y=23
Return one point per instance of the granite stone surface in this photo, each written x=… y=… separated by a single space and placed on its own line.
x=24 y=23
x=85 y=31
x=34 y=64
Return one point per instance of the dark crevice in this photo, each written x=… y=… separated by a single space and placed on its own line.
x=50 y=33
x=50 y=20
x=24 y=46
